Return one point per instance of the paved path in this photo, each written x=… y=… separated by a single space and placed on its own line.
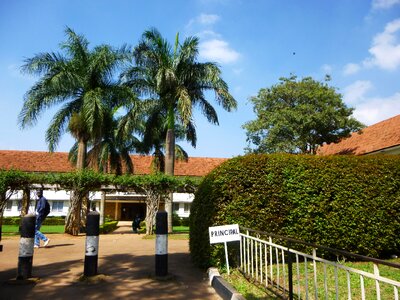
x=125 y=259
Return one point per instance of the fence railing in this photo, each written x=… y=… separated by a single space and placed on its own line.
x=274 y=262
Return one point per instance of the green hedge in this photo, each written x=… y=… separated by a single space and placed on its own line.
x=47 y=221
x=108 y=227
x=344 y=202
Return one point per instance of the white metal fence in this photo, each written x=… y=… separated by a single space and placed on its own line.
x=293 y=274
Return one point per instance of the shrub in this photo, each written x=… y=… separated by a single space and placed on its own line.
x=108 y=227
x=185 y=222
x=54 y=221
x=176 y=220
x=48 y=221
x=345 y=202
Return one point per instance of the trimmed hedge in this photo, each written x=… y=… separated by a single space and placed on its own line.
x=344 y=202
x=108 y=227
x=47 y=221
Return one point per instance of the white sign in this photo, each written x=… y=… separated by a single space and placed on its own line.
x=222 y=234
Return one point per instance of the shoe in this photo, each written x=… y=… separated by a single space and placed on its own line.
x=46 y=242
x=36 y=246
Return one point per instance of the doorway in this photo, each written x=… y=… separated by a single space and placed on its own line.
x=130 y=210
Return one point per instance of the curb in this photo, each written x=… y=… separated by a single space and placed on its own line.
x=223 y=288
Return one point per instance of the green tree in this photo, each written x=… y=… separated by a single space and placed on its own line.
x=174 y=77
x=297 y=116
x=156 y=127
x=82 y=82
x=111 y=152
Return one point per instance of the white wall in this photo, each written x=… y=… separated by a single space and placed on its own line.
x=54 y=197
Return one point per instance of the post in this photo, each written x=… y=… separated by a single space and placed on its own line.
x=102 y=207
x=290 y=271
x=162 y=244
x=25 y=256
x=92 y=243
x=226 y=257
x=1 y=224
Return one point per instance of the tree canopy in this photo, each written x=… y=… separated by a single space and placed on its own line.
x=296 y=116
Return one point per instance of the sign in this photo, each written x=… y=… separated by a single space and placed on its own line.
x=222 y=234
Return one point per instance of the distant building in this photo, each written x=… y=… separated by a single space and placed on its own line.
x=118 y=205
x=382 y=137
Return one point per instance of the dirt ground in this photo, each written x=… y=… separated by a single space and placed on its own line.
x=126 y=268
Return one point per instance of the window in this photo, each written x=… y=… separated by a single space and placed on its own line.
x=57 y=206
x=175 y=207
x=186 y=208
x=9 y=205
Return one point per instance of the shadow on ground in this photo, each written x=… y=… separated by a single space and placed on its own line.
x=125 y=276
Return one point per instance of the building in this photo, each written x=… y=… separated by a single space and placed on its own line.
x=382 y=137
x=118 y=205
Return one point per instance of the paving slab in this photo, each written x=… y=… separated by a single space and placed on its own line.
x=126 y=268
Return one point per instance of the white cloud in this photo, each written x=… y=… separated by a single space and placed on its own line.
x=207 y=19
x=386 y=48
x=208 y=34
x=218 y=50
x=355 y=92
x=377 y=109
x=212 y=45
x=203 y=20
x=351 y=68
x=385 y=51
x=384 y=4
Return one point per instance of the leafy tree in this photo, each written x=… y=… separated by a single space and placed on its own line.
x=174 y=77
x=297 y=116
x=82 y=81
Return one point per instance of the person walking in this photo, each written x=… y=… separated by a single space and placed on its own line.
x=42 y=210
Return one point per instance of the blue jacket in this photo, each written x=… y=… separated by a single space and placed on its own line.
x=40 y=208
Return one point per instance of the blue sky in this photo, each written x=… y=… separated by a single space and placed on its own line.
x=255 y=42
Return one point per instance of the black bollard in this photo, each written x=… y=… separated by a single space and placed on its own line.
x=92 y=243
x=25 y=257
x=1 y=246
x=161 y=244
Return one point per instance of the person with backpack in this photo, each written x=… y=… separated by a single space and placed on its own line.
x=42 y=210
x=136 y=224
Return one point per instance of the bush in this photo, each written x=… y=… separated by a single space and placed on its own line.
x=108 y=227
x=185 y=222
x=345 y=202
x=47 y=221
x=11 y=220
x=176 y=220
x=54 y=221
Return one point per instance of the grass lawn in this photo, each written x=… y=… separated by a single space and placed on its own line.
x=14 y=229
x=7 y=230
x=180 y=229
x=258 y=291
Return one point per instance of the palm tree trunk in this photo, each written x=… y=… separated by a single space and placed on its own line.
x=169 y=170
x=81 y=159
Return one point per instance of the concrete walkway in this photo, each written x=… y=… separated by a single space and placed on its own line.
x=126 y=265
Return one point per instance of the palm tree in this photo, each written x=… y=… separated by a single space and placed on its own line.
x=82 y=82
x=110 y=153
x=178 y=81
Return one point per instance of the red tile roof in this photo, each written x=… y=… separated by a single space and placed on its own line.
x=382 y=135
x=35 y=161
